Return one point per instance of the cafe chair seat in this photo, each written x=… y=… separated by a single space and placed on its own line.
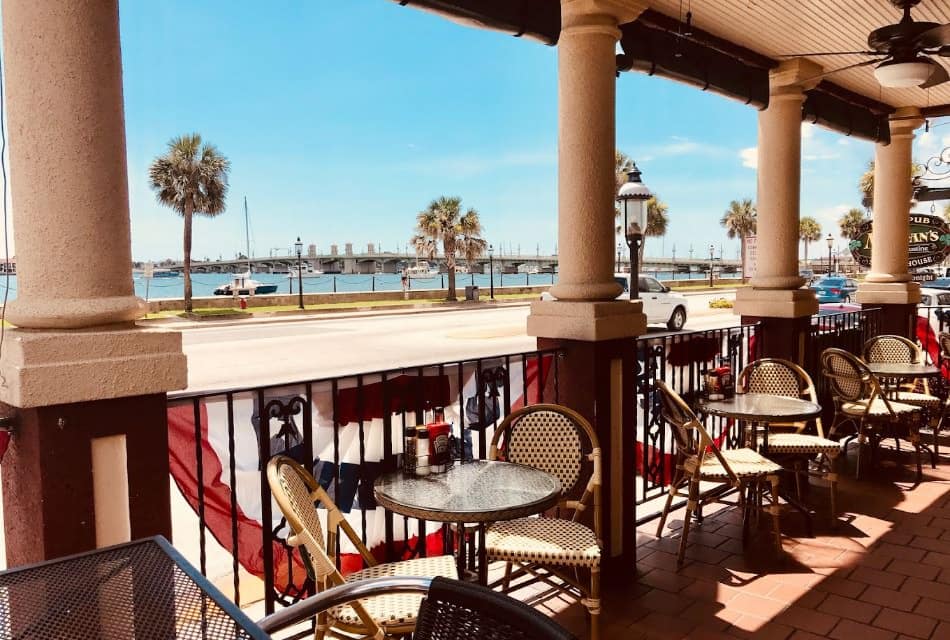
x=804 y=443
x=399 y=609
x=742 y=462
x=919 y=399
x=877 y=408
x=543 y=540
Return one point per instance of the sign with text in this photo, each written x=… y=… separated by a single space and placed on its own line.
x=928 y=242
x=748 y=257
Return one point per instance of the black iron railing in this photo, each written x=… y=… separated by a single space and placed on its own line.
x=847 y=330
x=680 y=360
x=348 y=430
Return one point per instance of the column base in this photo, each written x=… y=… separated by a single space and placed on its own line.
x=775 y=303
x=43 y=368
x=888 y=293
x=586 y=321
x=74 y=313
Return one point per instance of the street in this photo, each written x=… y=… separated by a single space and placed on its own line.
x=272 y=352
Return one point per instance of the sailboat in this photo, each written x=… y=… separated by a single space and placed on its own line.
x=241 y=283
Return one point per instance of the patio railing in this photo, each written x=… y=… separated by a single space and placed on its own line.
x=348 y=430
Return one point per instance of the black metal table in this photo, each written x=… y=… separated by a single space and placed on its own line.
x=757 y=411
x=478 y=492
x=143 y=590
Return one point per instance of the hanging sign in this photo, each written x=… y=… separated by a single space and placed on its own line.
x=928 y=242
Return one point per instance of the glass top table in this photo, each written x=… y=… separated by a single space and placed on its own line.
x=903 y=370
x=761 y=407
x=479 y=491
x=143 y=589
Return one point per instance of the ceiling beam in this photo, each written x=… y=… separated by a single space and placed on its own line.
x=535 y=19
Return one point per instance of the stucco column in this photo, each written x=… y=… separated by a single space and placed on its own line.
x=775 y=295
x=67 y=160
x=88 y=464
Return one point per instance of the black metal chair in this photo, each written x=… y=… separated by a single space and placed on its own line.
x=451 y=610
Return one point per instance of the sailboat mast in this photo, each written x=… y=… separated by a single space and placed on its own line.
x=247 y=236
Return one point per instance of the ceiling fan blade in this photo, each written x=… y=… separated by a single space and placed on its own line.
x=939 y=76
x=939 y=36
x=831 y=53
x=856 y=65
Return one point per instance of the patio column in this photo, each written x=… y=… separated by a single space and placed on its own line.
x=88 y=465
x=888 y=285
x=775 y=296
x=595 y=331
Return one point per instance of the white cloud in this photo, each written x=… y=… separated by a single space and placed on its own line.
x=750 y=157
x=680 y=146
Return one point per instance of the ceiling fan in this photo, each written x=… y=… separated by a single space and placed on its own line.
x=903 y=52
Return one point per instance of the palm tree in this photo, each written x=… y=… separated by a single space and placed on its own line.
x=442 y=221
x=657 y=221
x=866 y=183
x=739 y=221
x=851 y=222
x=808 y=231
x=192 y=179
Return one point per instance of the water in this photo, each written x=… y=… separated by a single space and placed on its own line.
x=204 y=284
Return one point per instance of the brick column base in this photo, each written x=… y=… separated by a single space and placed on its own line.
x=897 y=319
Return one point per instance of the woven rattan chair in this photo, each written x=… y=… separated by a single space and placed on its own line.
x=860 y=402
x=297 y=493
x=451 y=610
x=561 y=442
x=698 y=459
x=790 y=441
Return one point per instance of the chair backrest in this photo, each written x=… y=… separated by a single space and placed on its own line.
x=889 y=348
x=691 y=438
x=944 y=339
x=556 y=440
x=849 y=378
x=455 y=610
x=779 y=377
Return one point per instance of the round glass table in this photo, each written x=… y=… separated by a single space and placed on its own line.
x=476 y=492
x=903 y=370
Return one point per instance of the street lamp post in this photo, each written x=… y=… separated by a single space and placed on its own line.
x=674 y=263
x=619 y=248
x=831 y=241
x=632 y=198
x=712 y=254
x=299 y=247
x=491 y=272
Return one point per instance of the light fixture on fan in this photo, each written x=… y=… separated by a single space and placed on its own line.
x=905 y=73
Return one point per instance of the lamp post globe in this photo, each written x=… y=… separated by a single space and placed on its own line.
x=831 y=241
x=491 y=272
x=632 y=201
x=299 y=247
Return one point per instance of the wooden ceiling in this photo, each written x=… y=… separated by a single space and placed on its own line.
x=779 y=27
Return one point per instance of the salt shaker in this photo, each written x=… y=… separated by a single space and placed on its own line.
x=422 y=451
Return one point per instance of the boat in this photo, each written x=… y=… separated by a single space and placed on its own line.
x=421 y=269
x=242 y=284
x=165 y=273
x=530 y=269
x=460 y=268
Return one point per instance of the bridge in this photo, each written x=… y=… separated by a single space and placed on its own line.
x=382 y=262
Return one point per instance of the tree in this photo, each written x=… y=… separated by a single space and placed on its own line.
x=443 y=222
x=866 y=183
x=739 y=221
x=946 y=212
x=192 y=179
x=808 y=231
x=657 y=221
x=851 y=222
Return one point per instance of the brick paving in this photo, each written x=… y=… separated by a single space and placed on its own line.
x=883 y=572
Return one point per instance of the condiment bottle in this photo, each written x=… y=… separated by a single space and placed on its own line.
x=422 y=451
x=439 y=432
x=409 y=451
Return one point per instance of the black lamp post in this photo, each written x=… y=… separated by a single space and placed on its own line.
x=674 y=262
x=831 y=241
x=491 y=272
x=712 y=256
x=632 y=198
x=619 y=248
x=299 y=247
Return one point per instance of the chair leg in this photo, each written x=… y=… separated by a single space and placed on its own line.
x=593 y=603
x=774 y=508
x=862 y=439
x=798 y=478
x=506 y=581
x=687 y=519
x=674 y=488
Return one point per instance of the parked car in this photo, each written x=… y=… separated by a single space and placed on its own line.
x=939 y=283
x=659 y=305
x=834 y=289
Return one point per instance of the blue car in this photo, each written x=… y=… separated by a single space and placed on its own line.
x=834 y=289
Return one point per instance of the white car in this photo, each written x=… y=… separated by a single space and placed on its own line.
x=659 y=305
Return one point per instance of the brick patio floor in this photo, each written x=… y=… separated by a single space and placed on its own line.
x=884 y=572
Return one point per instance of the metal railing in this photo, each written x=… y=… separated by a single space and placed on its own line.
x=347 y=430
x=847 y=330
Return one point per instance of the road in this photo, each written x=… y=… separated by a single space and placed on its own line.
x=274 y=352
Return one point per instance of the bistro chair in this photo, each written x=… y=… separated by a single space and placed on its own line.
x=698 y=459
x=297 y=493
x=916 y=392
x=779 y=377
x=451 y=610
x=561 y=442
x=860 y=402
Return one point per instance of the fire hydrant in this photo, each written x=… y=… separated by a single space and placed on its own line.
x=243 y=302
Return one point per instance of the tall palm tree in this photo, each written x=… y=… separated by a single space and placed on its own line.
x=739 y=221
x=866 y=183
x=808 y=231
x=443 y=222
x=851 y=222
x=657 y=221
x=192 y=179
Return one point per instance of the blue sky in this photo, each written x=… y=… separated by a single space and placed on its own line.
x=344 y=118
